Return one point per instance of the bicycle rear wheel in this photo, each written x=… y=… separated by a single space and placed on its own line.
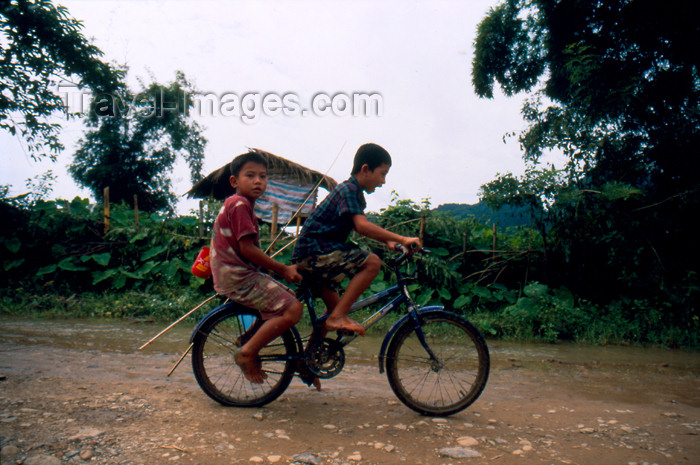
x=214 y=345
x=451 y=382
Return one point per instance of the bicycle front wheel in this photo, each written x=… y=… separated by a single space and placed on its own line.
x=215 y=369
x=448 y=382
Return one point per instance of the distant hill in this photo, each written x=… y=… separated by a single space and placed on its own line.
x=505 y=217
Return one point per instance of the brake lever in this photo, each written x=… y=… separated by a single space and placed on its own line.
x=405 y=252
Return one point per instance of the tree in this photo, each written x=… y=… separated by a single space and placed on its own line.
x=40 y=46
x=134 y=141
x=615 y=86
x=621 y=78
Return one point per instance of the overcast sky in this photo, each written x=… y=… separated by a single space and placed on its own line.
x=414 y=57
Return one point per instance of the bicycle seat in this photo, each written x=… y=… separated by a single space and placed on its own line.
x=307 y=282
x=310 y=279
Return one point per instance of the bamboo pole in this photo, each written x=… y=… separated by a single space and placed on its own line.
x=308 y=197
x=177 y=364
x=273 y=226
x=177 y=321
x=283 y=248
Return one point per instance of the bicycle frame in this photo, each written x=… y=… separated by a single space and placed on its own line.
x=400 y=294
x=392 y=291
x=439 y=377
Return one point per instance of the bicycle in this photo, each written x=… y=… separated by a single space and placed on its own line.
x=436 y=361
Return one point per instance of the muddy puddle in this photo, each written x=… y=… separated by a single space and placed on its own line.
x=543 y=404
x=125 y=336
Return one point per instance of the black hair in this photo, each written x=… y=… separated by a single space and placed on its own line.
x=371 y=155
x=241 y=160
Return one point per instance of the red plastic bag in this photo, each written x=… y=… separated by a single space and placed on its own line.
x=201 y=267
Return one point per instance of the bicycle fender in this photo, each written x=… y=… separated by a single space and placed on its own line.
x=392 y=331
x=297 y=339
x=226 y=307
x=211 y=313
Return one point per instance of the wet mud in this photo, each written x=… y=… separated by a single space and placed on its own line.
x=80 y=392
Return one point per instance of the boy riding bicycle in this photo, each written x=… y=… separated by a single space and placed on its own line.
x=236 y=260
x=321 y=247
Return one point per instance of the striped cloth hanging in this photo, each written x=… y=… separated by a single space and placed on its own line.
x=288 y=195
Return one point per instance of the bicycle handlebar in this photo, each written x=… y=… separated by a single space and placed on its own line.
x=405 y=252
x=402 y=248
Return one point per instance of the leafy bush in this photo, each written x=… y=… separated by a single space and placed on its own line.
x=543 y=314
x=59 y=246
x=56 y=260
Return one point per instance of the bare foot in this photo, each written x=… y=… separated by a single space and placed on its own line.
x=344 y=323
x=251 y=368
x=307 y=377
x=245 y=337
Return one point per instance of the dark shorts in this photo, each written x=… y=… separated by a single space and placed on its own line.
x=329 y=270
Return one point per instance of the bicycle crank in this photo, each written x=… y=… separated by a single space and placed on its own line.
x=325 y=358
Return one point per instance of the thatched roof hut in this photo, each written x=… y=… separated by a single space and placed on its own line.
x=289 y=185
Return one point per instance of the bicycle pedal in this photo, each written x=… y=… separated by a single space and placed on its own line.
x=345 y=332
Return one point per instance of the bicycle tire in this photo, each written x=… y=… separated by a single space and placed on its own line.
x=216 y=372
x=447 y=387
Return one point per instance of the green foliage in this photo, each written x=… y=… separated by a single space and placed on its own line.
x=55 y=260
x=535 y=190
x=508 y=50
x=461 y=271
x=40 y=46
x=504 y=216
x=549 y=315
x=134 y=141
x=543 y=314
x=615 y=88
x=159 y=303
x=615 y=70
x=59 y=246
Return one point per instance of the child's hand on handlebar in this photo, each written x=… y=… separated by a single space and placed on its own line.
x=408 y=246
x=413 y=244
x=291 y=274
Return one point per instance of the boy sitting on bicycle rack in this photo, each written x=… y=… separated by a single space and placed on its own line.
x=322 y=248
x=236 y=259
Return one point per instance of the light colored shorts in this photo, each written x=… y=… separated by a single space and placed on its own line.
x=264 y=294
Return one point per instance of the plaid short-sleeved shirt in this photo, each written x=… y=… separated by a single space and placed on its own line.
x=328 y=227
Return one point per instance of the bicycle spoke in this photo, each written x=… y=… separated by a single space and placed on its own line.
x=225 y=343
x=216 y=371
x=446 y=383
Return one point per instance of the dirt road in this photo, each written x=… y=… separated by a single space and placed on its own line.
x=78 y=405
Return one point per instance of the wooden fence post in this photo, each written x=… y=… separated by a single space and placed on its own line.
x=495 y=240
x=421 y=233
x=298 y=224
x=136 y=212
x=106 y=207
x=201 y=219
x=273 y=226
